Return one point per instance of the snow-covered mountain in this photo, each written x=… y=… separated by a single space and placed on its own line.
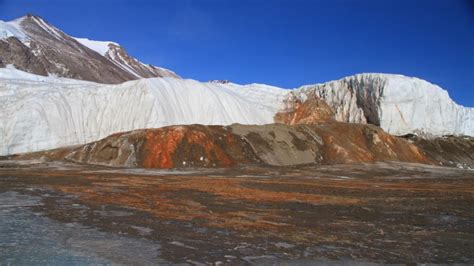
x=119 y=56
x=398 y=104
x=35 y=46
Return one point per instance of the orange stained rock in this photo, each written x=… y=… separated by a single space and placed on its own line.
x=359 y=143
x=311 y=111
x=160 y=145
x=210 y=148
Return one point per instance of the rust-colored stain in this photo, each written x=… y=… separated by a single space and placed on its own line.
x=237 y=203
x=388 y=203
x=311 y=111
x=161 y=148
x=211 y=150
x=167 y=198
x=173 y=197
x=365 y=143
x=160 y=145
x=218 y=146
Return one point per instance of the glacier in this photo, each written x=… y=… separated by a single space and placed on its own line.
x=400 y=105
x=40 y=113
x=50 y=112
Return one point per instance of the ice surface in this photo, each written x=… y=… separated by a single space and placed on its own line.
x=11 y=29
x=28 y=238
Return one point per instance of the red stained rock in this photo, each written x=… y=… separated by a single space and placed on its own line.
x=311 y=111
x=274 y=144
x=159 y=146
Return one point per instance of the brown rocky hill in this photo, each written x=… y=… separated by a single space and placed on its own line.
x=46 y=49
x=454 y=151
x=226 y=146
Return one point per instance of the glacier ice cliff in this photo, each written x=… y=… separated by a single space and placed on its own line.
x=398 y=104
x=46 y=113
x=39 y=113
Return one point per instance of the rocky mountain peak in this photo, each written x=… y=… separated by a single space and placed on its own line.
x=32 y=44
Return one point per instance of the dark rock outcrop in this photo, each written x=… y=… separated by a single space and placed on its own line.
x=13 y=51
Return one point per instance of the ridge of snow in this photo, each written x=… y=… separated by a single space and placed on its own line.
x=48 y=28
x=104 y=49
x=113 y=57
x=101 y=47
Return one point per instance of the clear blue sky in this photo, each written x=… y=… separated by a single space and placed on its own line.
x=282 y=43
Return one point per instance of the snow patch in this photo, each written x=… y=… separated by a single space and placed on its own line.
x=12 y=29
x=101 y=47
x=46 y=27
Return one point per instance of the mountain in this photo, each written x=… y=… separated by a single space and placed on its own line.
x=119 y=56
x=35 y=46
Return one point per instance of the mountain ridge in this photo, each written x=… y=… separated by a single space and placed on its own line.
x=32 y=44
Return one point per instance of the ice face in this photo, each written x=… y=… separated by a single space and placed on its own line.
x=54 y=112
x=11 y=29
x=398 y=104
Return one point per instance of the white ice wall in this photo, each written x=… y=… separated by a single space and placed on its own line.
x=401 y=104
x=50 y=113
x=38 y=113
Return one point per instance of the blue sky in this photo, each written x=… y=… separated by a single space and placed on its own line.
x=278 y=42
